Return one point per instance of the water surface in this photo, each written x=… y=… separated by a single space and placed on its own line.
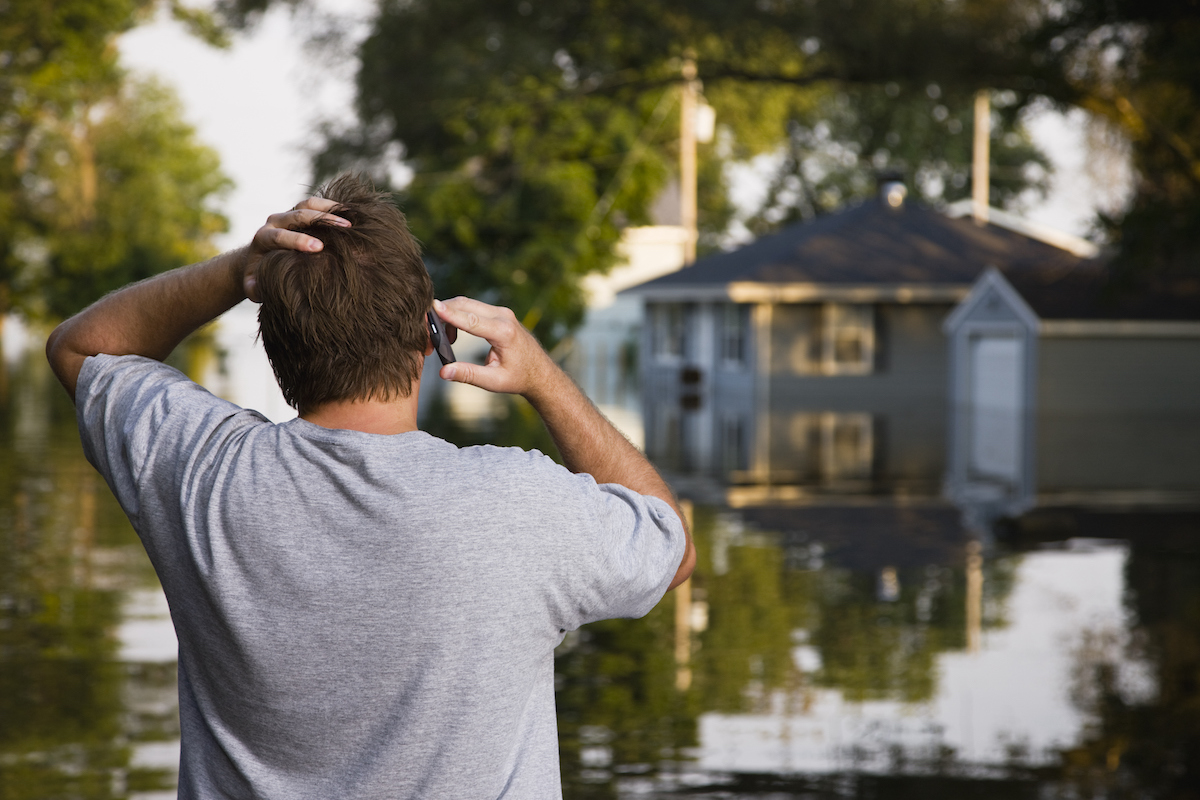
x=842 y=646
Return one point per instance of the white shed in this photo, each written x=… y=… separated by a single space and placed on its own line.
x=1067 y=390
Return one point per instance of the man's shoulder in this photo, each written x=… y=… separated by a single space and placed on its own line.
x=112 y=389
x=106 y=373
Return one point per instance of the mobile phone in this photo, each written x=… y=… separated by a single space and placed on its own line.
x=437 y=336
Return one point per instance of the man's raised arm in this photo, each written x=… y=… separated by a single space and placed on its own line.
x=151 y=317
x=588 y=442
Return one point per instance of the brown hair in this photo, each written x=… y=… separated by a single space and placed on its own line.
x=348 y=322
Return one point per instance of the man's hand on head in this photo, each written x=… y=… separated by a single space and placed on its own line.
x=151 y=317
x=279 y=233
x=516 y=364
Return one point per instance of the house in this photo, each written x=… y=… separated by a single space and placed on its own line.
x=602 y=355
x=814 y=359
x=1068 y=390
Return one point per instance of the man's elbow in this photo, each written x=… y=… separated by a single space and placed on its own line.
x=685 y=567
x=64 y=360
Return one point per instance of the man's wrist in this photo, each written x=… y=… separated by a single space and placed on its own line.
x=548 y=385
x=237 y=262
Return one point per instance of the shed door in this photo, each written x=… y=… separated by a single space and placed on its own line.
x=996 y=394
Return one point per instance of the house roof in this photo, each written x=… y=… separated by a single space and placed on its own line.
x=871 y=244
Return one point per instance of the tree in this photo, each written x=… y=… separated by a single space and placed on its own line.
x=1134 y=65
x=100 y=180
x=533 y=130
x=146 y=213
x=536 y=130
x=837 y=148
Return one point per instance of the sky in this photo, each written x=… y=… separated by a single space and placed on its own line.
x=258 y=103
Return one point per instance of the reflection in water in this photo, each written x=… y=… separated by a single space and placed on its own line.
x=75 y=713
x=850 y=645
x=805 y=679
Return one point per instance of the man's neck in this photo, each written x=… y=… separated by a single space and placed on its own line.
x=368 y=416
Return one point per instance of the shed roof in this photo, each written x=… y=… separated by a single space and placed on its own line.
x=872 y=243
x=1088 y=291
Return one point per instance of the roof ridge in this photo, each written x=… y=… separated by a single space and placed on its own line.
x=1075 y=245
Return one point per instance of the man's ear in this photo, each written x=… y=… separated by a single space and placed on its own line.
x=428 y=343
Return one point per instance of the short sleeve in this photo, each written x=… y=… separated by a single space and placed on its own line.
x=132 y=409
x=629 y=552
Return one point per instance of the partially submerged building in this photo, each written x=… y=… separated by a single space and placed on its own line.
x=1069 y=390
x=814 y=359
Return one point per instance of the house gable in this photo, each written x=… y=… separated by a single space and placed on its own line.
x=992 y=300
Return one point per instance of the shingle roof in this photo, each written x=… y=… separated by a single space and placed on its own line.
x=871 y=243
x=1088 y=292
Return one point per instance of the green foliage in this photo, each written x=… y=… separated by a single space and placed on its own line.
x=537 y=130
x=530 y=124
x=1133 y=63
x=840 y=142
x=753 y=607
x=204 y=25
x=100 y=180
x=150 y=213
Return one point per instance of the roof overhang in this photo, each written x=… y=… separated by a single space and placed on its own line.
x=756 y=292
x=1075 y=245
x=1119 y=328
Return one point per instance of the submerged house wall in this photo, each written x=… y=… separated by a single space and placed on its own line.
x=818 y=420
x=754 y=393
x=1137 y=396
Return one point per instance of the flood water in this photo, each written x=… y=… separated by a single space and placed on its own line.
x=853 y=645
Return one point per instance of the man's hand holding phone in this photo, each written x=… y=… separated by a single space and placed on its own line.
x=516 y=363
x=587 y=441
x=440 y=336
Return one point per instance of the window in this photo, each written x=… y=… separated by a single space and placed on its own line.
x=831 y=448
x=734 y=450
x=847 y=339
x=668 y=331
x=847 y=447
x=735 y=324
x=824 y=338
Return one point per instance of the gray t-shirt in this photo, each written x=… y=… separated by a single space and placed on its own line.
x=363 y=616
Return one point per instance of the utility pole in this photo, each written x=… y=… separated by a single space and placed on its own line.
x=980 y=177
x=687 y=158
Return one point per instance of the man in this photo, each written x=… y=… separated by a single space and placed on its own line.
x=363 y=611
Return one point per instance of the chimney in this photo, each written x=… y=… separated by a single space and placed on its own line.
x=892 y=190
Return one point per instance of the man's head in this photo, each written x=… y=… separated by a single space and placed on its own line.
x=348 y=322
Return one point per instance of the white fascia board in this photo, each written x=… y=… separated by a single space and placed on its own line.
x=680 y=294
x=1075 y=245
x=1120 y=329
x=754 y=292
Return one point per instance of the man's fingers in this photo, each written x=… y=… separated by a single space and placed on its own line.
x=279 y=233
x=302 y=218
x=489 y=378
x=316 y=204
x=493 y=323
x=284 y=239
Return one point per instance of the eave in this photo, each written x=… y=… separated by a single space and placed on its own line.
x=755 y=292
